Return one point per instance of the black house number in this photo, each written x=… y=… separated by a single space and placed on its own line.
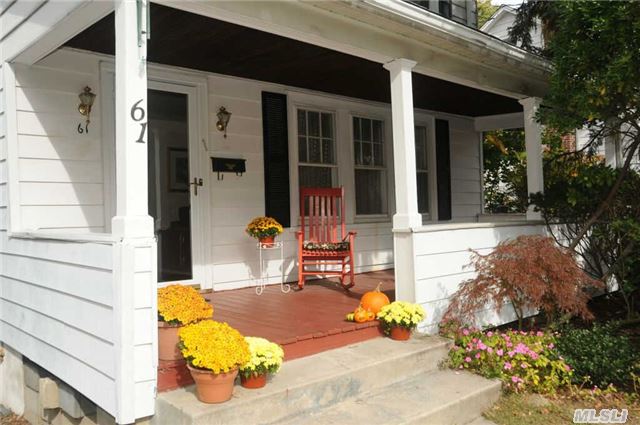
x=138 y=114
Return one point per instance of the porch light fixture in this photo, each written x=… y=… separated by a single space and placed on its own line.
x=223 y=120
x=86 y=102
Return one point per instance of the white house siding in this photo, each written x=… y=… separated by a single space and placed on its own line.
x=442 y=257
x=466 y=187
x=56 y=308
x=61 y=171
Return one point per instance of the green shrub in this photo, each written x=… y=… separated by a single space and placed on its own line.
x=598 y=355
x=523 y=361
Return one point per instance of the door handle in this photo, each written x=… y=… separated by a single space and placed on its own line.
x=196 y=182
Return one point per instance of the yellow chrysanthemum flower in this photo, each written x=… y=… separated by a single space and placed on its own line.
x=401 y=313
x=264 y=226
x=214 y=346
x=181 y=304
x=266 y=357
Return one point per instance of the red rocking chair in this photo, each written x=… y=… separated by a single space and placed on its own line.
x=319 y=243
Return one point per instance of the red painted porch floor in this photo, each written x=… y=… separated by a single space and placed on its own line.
x=304 y=322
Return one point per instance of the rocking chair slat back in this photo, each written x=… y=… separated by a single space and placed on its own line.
x=321 y=211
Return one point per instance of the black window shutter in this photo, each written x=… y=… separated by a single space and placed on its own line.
x=443 y=169
x=276 y=157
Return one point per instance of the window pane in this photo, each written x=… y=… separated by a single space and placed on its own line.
x=421 y=148
x=357 y=150
x=302 y=123
x=327 y=125
x=423 y=192
x=366 y=129
x=302 y=149
x=367 y=158
x=378 y=155
x=314 y=150
x=315 y=176
x=369 y=190
x=356 y=129
x=313 y=119
x=327 y=152
x=377 y=131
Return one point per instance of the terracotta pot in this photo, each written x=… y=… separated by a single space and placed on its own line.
x=399 y=333
x=213 y=387
x=267 y=241
x=168 y=342
x=254 y=381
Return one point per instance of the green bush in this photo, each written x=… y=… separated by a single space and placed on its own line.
x=598 y=355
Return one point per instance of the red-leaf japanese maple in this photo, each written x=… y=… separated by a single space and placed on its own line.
x=530 y=273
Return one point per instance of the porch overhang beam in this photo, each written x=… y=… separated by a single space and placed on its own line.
x=499 y=122
x=383 y=31
x=49 y=27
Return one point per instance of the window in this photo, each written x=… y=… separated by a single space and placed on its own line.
x=316 y=149
x=370 y=172
x=422 y=169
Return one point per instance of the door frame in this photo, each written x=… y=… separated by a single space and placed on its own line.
x=196 y=88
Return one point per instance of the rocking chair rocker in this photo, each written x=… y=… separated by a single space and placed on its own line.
x=319 y=243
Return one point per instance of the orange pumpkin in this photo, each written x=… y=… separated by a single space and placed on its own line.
x=360 y=315
x=374 y=300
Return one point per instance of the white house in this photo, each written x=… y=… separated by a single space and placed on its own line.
x=384 y=98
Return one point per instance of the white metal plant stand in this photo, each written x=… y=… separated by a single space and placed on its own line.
x=264 y=274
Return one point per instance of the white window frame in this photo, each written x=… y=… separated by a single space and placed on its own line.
x=425 y=120
x=334 y=166
x=386 y=169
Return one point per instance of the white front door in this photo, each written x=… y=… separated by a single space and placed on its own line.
x=178 y=170
x=177 y=181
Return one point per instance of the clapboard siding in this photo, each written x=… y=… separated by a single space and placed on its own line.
x=60 y=171
x=56 y=308
x=442 y=260
x=466 y=190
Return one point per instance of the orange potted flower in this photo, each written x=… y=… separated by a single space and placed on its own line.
x=178 y=305
x=214 y=352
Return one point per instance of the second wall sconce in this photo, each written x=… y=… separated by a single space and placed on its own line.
x=223 y=120
x=87 y=97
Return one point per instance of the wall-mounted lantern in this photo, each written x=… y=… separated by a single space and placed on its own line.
x=87 y=97
x=223 y=120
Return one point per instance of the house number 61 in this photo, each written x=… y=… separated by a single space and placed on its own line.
x=138 y=114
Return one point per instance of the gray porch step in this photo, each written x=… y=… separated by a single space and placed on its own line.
x=441 y=397
x=309 y=384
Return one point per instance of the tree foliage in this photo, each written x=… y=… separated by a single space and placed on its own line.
x=485 y=11
x=575 y=186
x=504 y=171
x=530 y=273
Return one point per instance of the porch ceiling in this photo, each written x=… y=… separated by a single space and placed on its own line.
x=193 y=41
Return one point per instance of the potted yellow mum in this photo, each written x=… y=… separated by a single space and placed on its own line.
x=178 y=305
x=214 y=351
x=266 y=358
x=400 y=318
x=265 y=229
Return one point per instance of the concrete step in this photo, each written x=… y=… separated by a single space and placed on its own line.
x=441 y=397
x=309 y=384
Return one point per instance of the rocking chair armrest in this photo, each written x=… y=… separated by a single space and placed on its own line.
x=350 y=236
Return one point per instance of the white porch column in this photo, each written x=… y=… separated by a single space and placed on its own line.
x=132 y=218
x=134 y=253
x=404 y=149
x=404 y=165
x=533 y=142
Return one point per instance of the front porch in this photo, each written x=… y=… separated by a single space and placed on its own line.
x=93 y=211
x=303 y=322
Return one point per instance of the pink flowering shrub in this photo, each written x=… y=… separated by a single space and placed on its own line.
x=523 y=361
